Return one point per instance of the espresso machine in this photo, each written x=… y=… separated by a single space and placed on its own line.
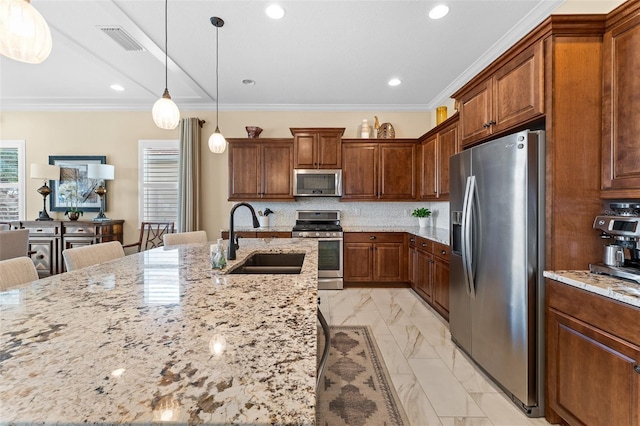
x=621 y=226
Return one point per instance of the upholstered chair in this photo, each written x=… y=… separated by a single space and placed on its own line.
x=185 y=238
x=16 y=271
x=81 y=257
x=14 y=243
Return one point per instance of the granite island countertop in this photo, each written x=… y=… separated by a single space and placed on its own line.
x=159 y=336
x=614 y=288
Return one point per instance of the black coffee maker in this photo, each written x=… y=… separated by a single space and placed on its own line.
x=621 y=226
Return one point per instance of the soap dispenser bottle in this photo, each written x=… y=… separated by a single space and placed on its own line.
x=218 y=258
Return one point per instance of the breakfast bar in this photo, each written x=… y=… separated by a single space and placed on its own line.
x=160 y=336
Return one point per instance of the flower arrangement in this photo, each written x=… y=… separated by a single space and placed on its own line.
x=69 y=193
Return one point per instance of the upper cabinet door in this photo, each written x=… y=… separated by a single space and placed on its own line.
x=360 y=177
x=513 y=95
x=317 y=148
x=306 y=146
x=621 y=111
x=429 y=172
x=476 y=111
x=518 y=89
x=245 y=171
x=329 y=150
x=398 y=171
x=447 y=147
x=277 y=171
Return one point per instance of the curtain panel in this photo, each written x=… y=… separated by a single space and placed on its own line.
x=189 y=184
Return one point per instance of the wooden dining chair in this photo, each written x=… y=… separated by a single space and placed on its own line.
x=151 y=235
x=185 y=238
x=16 y=271
x=81 y=257
x=14 y=243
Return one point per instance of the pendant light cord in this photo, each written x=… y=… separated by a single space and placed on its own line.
x=217 y=85
x=166 y=37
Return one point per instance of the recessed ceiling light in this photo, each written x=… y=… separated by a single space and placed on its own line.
x=248 y=82
x=117 y=87
x=275 y=11
x=394 y=82
x=439 y=11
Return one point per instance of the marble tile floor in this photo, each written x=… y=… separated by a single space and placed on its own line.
x=435 y=381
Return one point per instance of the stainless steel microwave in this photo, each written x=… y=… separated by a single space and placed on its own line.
x=317 y=182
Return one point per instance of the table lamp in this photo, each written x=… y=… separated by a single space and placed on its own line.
x=46 y=172
x=102 y=172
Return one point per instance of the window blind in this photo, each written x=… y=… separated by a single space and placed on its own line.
x=159 y=181
x=11 y=180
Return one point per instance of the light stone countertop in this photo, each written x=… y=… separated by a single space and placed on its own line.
x=440 y=235
x=614 y=288
x=159 y=336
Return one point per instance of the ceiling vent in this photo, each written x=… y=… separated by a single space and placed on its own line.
x=120 y=36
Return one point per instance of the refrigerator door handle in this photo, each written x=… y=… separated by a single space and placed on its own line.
x=467 y=220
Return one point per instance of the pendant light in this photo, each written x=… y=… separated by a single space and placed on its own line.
x=24 y=34
x=217 y=142
x=165 y=112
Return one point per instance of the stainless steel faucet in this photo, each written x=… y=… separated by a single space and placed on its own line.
x=233 y=243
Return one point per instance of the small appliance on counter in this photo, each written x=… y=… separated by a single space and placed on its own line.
x=621 y=258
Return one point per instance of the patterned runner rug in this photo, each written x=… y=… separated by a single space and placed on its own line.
x=356 y=388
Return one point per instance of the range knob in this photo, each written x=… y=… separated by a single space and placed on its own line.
x=317 y=234
x=304 y=234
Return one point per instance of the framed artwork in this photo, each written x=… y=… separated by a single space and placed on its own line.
x=74 y=190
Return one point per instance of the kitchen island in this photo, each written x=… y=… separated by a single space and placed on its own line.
x=158 y=336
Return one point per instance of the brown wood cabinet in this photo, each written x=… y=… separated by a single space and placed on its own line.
x=374 y=257
x=260 y=169
x=436 y=147
x=379 y=170
x=317 y=148
x=47 y=239
x=429 y=272
x=512 y=95
x=621 y=103
x=593 y=358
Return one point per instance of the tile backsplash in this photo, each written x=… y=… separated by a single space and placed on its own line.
x=352 y=213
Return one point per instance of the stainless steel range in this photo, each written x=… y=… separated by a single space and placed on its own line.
x=324 y=225
x=621 y=257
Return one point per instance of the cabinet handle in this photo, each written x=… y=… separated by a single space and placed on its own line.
x=424 y=244
x=492 y=122
x=372 y=237
x=637 y=368
x=443 y=252
x=413 y=240
x=486 y=125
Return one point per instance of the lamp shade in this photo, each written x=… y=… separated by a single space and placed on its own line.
x=24 y=34
x=217 y=142
x=45 y=172
x=165 y=113
x=101 y=171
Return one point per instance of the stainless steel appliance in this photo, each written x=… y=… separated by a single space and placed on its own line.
x=324 y=225
x=497 y=256
x=317 y=182
x=621 y=258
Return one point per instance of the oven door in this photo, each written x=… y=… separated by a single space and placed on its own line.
x=330 y=265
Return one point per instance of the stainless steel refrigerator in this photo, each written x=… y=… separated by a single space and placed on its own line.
x=496 y=312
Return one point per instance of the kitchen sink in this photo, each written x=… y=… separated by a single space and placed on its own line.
x=270 y=263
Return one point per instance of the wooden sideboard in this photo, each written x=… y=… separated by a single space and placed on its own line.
x=47 y=239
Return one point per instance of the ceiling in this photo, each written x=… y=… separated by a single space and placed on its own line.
x=323 y=55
